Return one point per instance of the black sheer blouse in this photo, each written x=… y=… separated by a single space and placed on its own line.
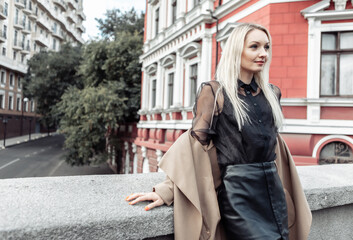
x=215 y=120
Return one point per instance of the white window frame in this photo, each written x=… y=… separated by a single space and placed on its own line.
x=150 y=74
x=169 y=65
x=166 y=88
x=191 y=55
x=314 y=55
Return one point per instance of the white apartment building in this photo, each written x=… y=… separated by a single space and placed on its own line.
x=27 y=27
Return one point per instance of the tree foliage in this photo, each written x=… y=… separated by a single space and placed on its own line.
x=49 y=75
x=111 y=74
x=91 y=89
x=116 y=22
x=87 y=114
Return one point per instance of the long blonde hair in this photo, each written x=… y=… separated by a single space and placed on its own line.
x=228 y=72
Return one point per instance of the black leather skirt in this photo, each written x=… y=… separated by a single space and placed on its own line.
x=252 y=202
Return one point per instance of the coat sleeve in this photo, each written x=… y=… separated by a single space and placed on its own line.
x=165 y=190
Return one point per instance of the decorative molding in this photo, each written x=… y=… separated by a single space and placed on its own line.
x=323 y=140
x=168 y=60
x=190 y=50
x=340 y=5
x=226 y=31
x=151 y=69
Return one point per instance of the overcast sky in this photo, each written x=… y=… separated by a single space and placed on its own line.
x=96 y=9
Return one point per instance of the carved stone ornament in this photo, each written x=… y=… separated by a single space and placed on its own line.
x=340 y=5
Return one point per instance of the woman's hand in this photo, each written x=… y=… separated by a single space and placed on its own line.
x=151 y=196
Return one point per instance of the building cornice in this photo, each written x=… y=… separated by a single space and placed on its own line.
x=204 y=18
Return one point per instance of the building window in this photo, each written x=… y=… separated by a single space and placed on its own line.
x=10 y=103
x=19 y=82
x=14 y=55
x=336 y=64
x=174 y=11
x=11 y=79
x=4 y=33
x=23 y=57
x=156 y=21
x=4 y=51
x=15 y=38
x=2 y=77
x=6 y=7
x=154 y=93
x=24 y=21
x=54 y=44
x=25 y=107
x=193 y=83
x=32 y=106
x=170 y=89
x=1 y=100
x=16 y=16
x=18 y=104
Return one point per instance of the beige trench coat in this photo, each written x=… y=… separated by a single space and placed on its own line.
x=192 y=177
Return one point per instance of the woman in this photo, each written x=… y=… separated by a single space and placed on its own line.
x=240 y=114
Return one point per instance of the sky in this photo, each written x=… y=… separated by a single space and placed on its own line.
x=96 y=9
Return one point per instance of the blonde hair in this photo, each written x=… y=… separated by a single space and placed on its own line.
x=228 y=73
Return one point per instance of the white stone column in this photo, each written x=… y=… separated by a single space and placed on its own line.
x=206 y=59
x=159 y=87
x=159 y=154
x=134 y=150
x=144 y=97
x=145 y=164
x=178 y=86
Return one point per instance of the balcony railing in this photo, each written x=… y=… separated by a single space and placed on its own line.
x=20 y=3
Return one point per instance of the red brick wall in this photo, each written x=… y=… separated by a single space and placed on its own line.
x=289 y=31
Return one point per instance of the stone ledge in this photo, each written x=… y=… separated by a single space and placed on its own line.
x=94 y=207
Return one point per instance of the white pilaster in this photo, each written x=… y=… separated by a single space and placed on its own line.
x=179 y=79
x=206 y=59
x=159 y=87
x=159 y=154
x=163 y=15
x=134 y=150
x=149 y=22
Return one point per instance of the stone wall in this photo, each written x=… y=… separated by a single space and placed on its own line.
x=94 y=207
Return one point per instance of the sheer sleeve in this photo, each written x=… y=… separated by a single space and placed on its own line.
x=277 y=92
x=208 y=104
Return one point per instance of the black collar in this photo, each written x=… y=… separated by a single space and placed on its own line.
x=252 y=86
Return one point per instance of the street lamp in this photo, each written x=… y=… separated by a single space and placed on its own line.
x=23 y=101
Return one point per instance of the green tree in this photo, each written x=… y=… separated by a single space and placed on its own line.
x=87 y=115
x=116 y=22
x=111 y=74
x=49 y=75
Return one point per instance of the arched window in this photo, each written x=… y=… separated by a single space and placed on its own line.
x=336 y=152
x=192 y=59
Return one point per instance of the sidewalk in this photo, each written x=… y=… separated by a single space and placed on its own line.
x=21 y=139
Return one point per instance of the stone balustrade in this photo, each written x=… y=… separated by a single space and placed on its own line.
x=94 y=207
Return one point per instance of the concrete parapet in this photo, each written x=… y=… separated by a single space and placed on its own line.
x=94 y=207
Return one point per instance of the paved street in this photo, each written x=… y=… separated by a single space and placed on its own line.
x=42 y=158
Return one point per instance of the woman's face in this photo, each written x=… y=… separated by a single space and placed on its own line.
x=255 y=52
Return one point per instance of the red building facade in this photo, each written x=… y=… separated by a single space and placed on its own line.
x=312 y=64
